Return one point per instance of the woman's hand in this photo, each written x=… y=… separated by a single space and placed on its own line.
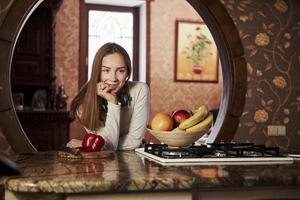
x=74 y=143
x=104 y=91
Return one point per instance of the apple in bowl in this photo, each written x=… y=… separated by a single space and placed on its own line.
x=179 y=116
x=162 y=122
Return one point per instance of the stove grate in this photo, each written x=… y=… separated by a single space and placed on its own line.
x=212 y=150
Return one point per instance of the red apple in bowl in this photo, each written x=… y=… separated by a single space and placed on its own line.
x=162 y=122
x=179 y=116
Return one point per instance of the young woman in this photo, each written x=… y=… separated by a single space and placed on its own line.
x=111 y=106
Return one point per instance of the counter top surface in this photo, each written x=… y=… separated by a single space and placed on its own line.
x=127 y=171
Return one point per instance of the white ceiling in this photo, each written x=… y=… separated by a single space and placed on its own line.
x=128 y=3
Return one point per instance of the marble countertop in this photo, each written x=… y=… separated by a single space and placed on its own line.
x=127 y=171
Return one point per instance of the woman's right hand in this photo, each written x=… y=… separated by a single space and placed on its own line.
x=103 y=91
x=74 y=143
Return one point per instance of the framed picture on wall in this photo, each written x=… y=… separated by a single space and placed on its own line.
x=196 y=54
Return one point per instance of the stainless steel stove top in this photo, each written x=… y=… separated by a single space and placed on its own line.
x=214 y=154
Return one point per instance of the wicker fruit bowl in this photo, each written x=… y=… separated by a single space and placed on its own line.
x=177 y=138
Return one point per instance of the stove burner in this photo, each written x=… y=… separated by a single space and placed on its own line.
x=170 y=154
x=246 y=150
x=220 y=150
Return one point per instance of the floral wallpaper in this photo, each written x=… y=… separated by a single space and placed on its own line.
x=270 y=34
x=67 y=52
x=67 y=46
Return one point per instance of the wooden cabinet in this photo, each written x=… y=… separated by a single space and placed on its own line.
x=33 y=64
x=47 y=130
x=33 y=80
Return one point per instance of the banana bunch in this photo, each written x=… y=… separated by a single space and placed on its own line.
x=201 y=120
x=195 y=118
x=203 y=125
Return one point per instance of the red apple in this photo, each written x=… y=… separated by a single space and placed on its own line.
x=162 y=122
x=179 y=116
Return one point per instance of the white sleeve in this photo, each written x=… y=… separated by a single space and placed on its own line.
x=110 y=131
x=138 y=122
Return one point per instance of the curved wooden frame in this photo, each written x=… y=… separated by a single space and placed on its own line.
x=217 y=20
x=231 y=54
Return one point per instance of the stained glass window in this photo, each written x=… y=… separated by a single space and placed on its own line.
x=109 y=26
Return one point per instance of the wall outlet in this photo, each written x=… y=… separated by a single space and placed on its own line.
x=276 y=130
x=272 y=130
x=281 y=131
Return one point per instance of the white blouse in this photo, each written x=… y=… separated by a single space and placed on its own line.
x=125 y=127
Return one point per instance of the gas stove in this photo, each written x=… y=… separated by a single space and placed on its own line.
x=210 y=154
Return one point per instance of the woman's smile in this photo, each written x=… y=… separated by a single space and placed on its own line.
x=113 y=86
x=114 y=72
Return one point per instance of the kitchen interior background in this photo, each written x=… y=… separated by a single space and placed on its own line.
x=270 y=33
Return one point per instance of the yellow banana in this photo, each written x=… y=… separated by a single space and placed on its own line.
x=203 y=125
x=195 y=118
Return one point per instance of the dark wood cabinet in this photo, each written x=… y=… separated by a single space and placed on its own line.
x=47 y=130
x=33 y=80
x=33 y=63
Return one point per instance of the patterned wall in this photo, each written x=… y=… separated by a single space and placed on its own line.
x=270 y=33
x=67 y=51
x=167 y=95
x=67 y=46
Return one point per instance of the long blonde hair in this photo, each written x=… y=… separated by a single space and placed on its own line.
x=87 y=105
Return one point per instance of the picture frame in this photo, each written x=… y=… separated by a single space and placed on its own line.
x=39 y=100
x=196 y=54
